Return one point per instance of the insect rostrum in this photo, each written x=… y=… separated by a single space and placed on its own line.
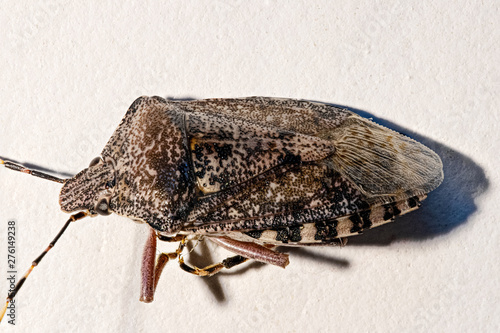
x=250 y=174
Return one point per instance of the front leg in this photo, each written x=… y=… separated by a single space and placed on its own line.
x=151 y=267
x=148 y=268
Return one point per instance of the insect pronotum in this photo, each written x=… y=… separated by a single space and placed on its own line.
x=248 y=174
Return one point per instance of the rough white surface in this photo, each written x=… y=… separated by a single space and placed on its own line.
x=427 y=68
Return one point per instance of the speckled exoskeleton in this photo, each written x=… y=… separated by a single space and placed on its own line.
x=248 y=174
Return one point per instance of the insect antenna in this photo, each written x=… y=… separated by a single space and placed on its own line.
x=20 y=168
x=10 y=297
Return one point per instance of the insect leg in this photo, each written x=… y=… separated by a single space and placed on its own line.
x=151 y=271
x=10 y=297
x=252 y=251
x=178 y=238
x=245 y=251
x=148 y=268
x=212 y=269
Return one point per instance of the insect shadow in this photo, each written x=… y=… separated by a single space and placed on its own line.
x=447 y=207
x=200 y=254
x=307 y=253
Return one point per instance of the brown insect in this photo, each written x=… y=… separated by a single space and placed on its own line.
x=248 y=174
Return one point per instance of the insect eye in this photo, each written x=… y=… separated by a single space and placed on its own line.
x=94 y=161
x=102 y=207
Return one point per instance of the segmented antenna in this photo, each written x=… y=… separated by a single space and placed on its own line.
x=10 y=297
x=73 y=218
x=20 y=168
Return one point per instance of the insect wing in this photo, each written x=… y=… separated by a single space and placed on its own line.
x=229 y=151
x=355 y=163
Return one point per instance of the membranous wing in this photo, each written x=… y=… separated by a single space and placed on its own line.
x=265 y=163
x=382 y=162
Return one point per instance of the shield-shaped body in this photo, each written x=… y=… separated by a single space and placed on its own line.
x=266 y=170
x=248 y=174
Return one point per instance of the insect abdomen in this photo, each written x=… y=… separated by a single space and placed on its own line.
x=329 y=231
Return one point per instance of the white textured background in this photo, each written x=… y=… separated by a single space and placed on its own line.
x=427 y=68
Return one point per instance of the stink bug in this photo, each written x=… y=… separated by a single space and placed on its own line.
x=248 y=174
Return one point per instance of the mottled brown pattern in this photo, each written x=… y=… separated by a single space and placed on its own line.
x=84 y=190
x=227 y=152
x=249 y=164
x=152 y=165
x=329 y=231
x=292 y=197
x=292 y=115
